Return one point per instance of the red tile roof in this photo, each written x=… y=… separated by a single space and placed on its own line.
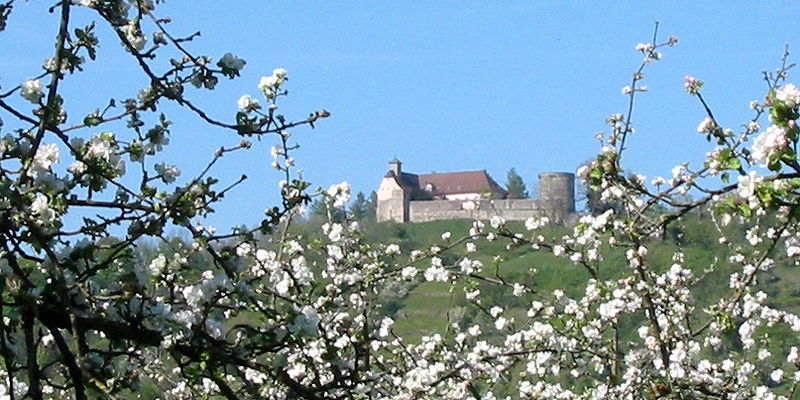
x=452 y=183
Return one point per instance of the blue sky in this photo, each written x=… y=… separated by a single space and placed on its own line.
x=443 y=86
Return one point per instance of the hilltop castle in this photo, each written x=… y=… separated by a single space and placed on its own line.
x=406 y=197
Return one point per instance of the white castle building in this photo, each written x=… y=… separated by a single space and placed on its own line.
x=407 y=197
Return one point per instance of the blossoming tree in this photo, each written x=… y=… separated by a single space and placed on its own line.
x=81 y=317
x=230 y=316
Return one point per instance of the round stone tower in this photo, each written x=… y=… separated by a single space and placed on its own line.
x=557 y=193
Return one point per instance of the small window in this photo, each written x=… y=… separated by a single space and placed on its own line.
x=429 y=187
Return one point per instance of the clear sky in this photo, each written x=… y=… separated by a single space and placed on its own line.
x=441 y=85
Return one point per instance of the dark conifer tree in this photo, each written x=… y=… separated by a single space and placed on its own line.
x=515 y=186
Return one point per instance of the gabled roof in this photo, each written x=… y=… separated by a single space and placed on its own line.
x=406 y=180
x=449 y=183
x=461 y=182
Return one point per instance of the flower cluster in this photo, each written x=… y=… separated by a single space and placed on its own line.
x=692 y=85
x=271 y=85
x=134 y=37
x=340 y=194
x=247 y=103
x=168 y=173
x=768 y=144
x=32 y=90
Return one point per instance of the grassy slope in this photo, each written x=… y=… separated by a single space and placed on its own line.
x=431 y=306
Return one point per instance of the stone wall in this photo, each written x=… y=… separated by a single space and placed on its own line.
x=556 y=201
x=511 y=210
x=393 y=208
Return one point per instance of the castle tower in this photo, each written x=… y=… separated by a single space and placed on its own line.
x=392 y=196
x=557 y=193
x=395 y=166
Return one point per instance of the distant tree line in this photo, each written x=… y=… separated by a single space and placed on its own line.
x=361 y=209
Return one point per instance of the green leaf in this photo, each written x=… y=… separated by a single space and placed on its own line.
x=745 y=210
x=92 y=120
x=765 y=196
x=774 y=165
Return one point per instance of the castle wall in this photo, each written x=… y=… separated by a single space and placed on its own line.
x=394 y=208
x=509 y=209
x=556 y=201
x=392 y=202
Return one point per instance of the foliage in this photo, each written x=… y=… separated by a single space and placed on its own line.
x=515 y=186
x=267 y=312
x=591 y=196
x=363 y=209
x=420 y=194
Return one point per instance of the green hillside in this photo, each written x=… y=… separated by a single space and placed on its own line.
x=430 y=307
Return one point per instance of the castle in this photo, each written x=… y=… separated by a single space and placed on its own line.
x=406 y=197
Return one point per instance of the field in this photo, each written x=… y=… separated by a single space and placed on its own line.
x=431 y=307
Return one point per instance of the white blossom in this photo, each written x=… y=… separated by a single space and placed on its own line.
x=247 y=103
x=393 y=249
x=41 y=208
x=134 y=36
x=769 y=141
x=706 y=125
x=340 y=194
x=45 y=156
x=793 y=356
x=497 y=221
x=789 y=94
x=270 y=85
x=748 y=184
x=32 y=90
x=167 y=172
x=776 y=375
